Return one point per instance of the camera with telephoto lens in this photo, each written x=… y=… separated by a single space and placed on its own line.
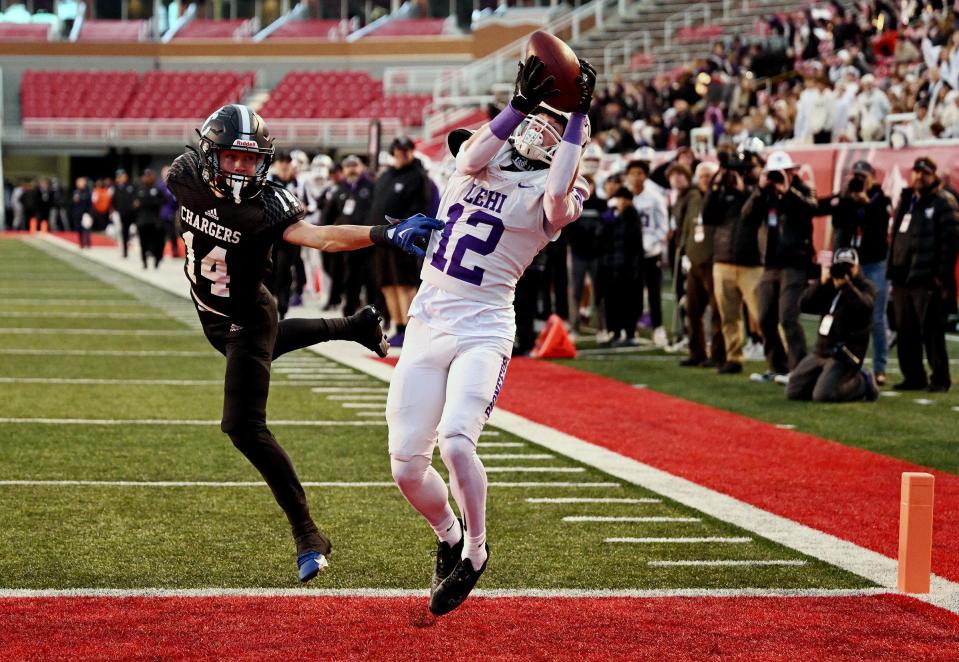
x=840 y=270
x=776 y=177
x=857 y=184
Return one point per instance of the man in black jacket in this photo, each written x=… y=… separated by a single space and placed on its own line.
x=403 y=190
x=349 y=204
x=833 y=372
x=925 y=242
x=783 y=209
x=860 y=220
x=124 y=193
x=736 y=260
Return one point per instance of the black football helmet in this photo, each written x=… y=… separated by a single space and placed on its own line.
x=235 y=127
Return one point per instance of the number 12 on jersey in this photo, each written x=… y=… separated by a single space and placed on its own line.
x=212 y=267
x=454 y=266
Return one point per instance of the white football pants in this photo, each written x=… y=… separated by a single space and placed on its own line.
x=444 y=389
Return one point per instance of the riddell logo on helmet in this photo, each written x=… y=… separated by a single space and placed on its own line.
x=244 y=143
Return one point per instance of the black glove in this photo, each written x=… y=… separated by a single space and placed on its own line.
x=529 y=91
x=587 y=83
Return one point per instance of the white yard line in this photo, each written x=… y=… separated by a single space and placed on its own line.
x=679 y=541
x=535 y=470
x=230 y=484
x=363 y=405
x=669 y=564
x=157 y=421
x=849 y=556
x=211 y=353
x=131 y=382
x=604 y=518
x=590 y=500
x=88 y=315
x=353 y=398
x=503 y=444
x=19 y=331
x=517 y=456
x=79 y=301
x=481 y=593
x=347 y=389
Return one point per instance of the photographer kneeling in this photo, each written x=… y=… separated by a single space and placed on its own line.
x=833 y=372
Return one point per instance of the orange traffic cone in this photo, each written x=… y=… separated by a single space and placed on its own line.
x=32 y=225
x=554 y=342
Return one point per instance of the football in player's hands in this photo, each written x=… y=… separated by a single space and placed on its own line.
x=560 y=62
x=532 y=87
x=587 y=83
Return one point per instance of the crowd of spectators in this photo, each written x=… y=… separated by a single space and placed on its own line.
x=823 y=74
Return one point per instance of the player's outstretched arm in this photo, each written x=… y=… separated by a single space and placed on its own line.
x=410 y=235
x=563 y=202
x=529 y=92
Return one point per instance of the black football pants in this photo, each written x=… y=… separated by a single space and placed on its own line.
x=250 y=348
x=920 y=324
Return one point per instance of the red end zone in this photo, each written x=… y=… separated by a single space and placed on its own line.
x=843 y=628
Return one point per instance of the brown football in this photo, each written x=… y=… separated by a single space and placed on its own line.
x=560 y=61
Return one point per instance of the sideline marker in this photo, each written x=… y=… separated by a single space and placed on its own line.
x=554 y=342
x=915 y=532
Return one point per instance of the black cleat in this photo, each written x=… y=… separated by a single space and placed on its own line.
x=446 y=558
x=453 y=590
x=312 y=550
x=368 y=330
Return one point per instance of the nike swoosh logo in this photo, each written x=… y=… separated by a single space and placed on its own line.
x=527 y=185
x=405 y=232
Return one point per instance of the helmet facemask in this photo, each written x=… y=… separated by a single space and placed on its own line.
x=235 y=128
x=234 y=185
x=535 y=131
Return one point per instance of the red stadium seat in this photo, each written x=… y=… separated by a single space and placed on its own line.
x=103 y=30
x=411 y=27
x=314 y=30
x=24 y=32
x=201 y=28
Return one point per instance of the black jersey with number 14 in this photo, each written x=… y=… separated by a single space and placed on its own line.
x=228 y=245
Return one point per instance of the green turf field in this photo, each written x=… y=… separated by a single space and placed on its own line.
x=55 y=373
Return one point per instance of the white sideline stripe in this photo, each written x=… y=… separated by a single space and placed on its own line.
x=535 y=470
x=503 y=444
x=489 y=433
x=363 y=405
x=373 y=414
x=591 y=518
x=107 y=352
x=517 y=456
x=133 y=382
x=88 y=315
x=157 y=421
x=643 y=594
x=876 y=567
x=351 y=398
x=307 y=376
x=590 y=500
x=19 y=331
x=316 y=368
x=30 y=301
x=333 y=389
x=679 y=541
x=666 y=564
x=208 y=483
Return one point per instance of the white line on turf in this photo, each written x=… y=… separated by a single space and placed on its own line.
x=667 y=564
x=535 y=470
x=158 y=421
x=132 y=382
x=208 y=483
x=95 y=332
x=347 y=389
x=874 y=566
x=88 y=315
x=109 y=352
x=517 y=456
x=590 y=500
x=679 y=541
x=317 y=368
x=363 y=405
x=351 y=398
x=591 y=518
x=503 y=444
x=565 y=593
x=79 y=301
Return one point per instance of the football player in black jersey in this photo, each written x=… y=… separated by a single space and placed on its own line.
x=229 y=217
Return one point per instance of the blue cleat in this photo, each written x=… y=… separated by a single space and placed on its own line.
x=311 y=564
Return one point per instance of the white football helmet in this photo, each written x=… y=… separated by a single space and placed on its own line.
x=536 y=139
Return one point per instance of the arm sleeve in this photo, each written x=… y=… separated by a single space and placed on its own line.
x=477 y=152
x=563 y=202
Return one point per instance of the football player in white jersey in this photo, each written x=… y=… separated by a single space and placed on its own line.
x=515 y=187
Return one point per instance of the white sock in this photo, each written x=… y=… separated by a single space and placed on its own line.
x=468 y=477
x=425 y=490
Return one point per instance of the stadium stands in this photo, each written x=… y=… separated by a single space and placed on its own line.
x=314 y=30
x=24 y=32
x=313 y=94
x=201 y=28
x=106 y=30
x=116 y=94
x=412 y=27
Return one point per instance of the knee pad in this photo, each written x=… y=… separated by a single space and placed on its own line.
x=409 y=472
x=456 y=449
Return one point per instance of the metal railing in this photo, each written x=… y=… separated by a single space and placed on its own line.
x=289 y=132
x=398 y=80
x=684 y=18
x=478 y=77
x=625 y=47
